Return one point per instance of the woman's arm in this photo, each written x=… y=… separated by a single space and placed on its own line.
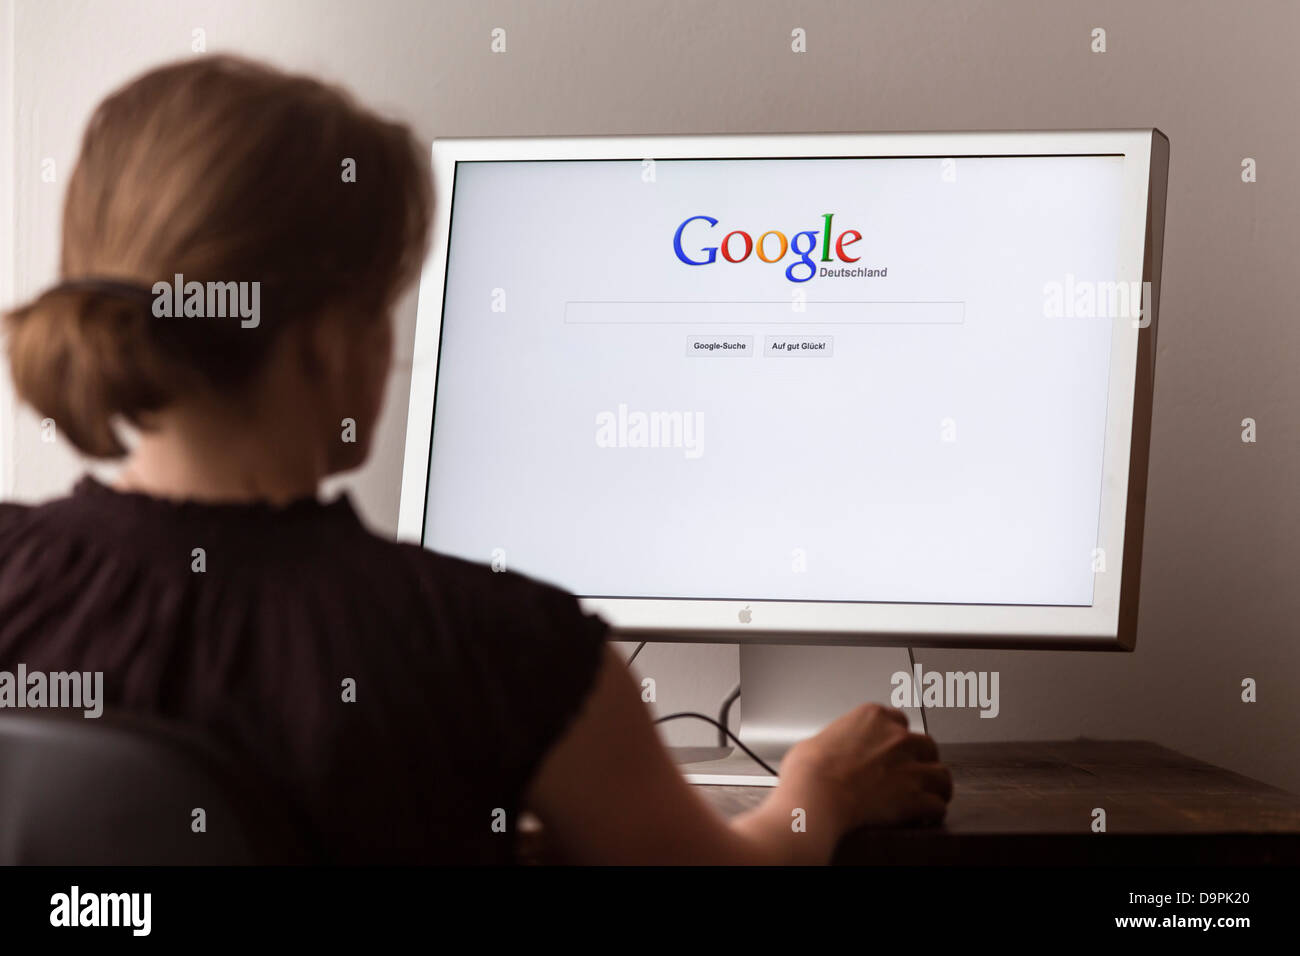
x=608 y=792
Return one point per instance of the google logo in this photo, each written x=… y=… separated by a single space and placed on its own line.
x=736 y=246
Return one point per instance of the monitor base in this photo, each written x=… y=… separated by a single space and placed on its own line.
x=720 y=766
x=788 y=693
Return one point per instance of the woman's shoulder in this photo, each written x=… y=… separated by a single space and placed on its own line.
x=505 y=607
x=309 y=549
x=11 y=513
x=22 y=523
x=465 y=577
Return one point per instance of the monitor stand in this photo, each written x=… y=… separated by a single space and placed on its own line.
x=788 y=693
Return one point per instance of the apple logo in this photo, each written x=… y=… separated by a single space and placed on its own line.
x=745 y=615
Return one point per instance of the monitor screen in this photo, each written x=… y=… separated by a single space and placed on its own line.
x=829 y=379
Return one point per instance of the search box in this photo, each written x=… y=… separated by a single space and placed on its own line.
x=763 y=312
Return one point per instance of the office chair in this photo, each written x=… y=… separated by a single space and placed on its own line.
x=121 y=790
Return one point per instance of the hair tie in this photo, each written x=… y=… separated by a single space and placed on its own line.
x=115 y=287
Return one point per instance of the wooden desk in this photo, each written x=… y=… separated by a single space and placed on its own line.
x=1032 y=803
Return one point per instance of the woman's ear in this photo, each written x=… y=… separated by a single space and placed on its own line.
x=323 y=345
x=346 y=361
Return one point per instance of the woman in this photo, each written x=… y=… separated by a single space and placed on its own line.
x=408 y=704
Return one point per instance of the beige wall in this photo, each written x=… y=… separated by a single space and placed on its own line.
x=1219 y=598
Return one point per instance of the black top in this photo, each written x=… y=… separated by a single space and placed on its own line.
x=464 y=677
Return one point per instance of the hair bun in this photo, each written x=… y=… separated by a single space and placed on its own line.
x=75 y=356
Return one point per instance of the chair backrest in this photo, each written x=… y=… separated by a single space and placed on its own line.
x=123 y=790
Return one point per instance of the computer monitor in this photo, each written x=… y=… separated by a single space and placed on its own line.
x=835 y=389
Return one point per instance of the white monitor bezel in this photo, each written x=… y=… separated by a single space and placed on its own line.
x=1109 y=623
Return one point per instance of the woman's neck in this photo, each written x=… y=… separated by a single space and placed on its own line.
x=210 y=455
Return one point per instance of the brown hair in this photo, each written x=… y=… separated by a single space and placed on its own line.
x=221 y=170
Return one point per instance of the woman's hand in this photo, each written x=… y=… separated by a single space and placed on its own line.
x=867 y=769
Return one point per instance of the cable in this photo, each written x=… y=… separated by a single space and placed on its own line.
x=749 y=753
x=916 y=694
x=725 y=712
x=638 y=650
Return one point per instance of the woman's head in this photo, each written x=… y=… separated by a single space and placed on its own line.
x=221 y=170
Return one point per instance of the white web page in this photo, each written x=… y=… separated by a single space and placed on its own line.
x=638 y=397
